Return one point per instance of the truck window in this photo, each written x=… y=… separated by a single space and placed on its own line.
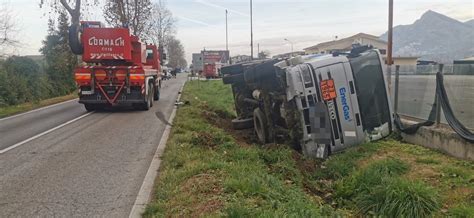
x=371 y=91
x=149 y=54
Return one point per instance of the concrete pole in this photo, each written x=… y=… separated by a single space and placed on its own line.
x=390 y=44
x=396 y=90
x=258 y=50
x=226 y=32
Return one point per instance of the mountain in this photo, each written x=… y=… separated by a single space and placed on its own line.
x=434 y=37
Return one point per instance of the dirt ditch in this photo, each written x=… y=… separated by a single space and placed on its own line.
x=224 y=121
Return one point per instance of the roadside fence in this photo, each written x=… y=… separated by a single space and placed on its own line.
x=414 y=93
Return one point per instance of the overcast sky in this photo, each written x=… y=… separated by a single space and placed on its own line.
x=201 y=23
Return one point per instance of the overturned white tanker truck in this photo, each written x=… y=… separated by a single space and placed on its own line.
x=319 y=104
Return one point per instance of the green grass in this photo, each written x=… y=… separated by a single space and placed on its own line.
x=204 y=165
x=16 y=109
x=210 y=170
x=395 y=197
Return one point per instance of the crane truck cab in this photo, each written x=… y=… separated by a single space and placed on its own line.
x=320 y=104
x=118 y=68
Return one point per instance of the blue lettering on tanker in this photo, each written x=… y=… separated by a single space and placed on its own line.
x=345 y=105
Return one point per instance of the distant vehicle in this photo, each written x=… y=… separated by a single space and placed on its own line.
x=210 y=71
x=319 y=104
x=120 y=69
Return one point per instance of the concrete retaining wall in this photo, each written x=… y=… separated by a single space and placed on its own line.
x=443 y=139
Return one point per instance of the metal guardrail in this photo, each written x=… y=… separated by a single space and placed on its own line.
x=415 y=87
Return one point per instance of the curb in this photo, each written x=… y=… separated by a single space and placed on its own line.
x=144 y=194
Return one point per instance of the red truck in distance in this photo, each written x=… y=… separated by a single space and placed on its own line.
x=119 y=69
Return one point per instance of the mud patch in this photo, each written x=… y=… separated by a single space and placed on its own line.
x=319 y=188
x=223 y=121
x=204 y=139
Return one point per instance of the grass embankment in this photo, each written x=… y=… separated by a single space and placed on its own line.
x=210 y=170
x=16 y=109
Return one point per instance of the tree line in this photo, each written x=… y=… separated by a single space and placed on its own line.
x=23 y=79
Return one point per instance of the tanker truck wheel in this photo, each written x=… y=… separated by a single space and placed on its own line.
x=75 y=40
x=260 y=126
x=240 y=124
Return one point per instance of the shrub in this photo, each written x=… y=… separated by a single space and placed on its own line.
x=399 y=198
x=367 y=178
x=342 y=165
x=462 y=211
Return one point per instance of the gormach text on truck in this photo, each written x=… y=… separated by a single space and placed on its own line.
x=119 y=69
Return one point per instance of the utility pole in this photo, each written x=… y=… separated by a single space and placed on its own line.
x=390 y=43
x=251 y=31
x=226 y=32
x=258 y=50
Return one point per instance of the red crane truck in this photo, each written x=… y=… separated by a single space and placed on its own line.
x=119 y=69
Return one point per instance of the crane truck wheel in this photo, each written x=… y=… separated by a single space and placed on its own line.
x=75 y=40
x=260 y=126
x=148 y=99
x=90 y=107
x=151 y=94
x=156 y=95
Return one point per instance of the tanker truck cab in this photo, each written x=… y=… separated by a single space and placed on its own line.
x=343 y=101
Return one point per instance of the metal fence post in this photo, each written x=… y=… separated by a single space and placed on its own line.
x=397 y=76
x=438 y=99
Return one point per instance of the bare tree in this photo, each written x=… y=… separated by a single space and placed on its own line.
x=132 y=13
x=73 y=7
x=176 y=53
x=162 y=24
x=7 y=29
x=264 y=54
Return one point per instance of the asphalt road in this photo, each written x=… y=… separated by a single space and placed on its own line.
x=91 y=167
x=417 y=93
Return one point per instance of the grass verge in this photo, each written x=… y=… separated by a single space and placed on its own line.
x=16 y=109
x=210 y=170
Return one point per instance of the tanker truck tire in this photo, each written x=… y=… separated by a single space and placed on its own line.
x=260 y=126
x=75 y=41
x=240 y=124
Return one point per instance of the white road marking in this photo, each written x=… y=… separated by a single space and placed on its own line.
x=43 y=133
x=39 y=109
x=144 y=194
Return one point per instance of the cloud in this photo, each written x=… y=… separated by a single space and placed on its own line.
x=221 y=7
x=193 y=20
